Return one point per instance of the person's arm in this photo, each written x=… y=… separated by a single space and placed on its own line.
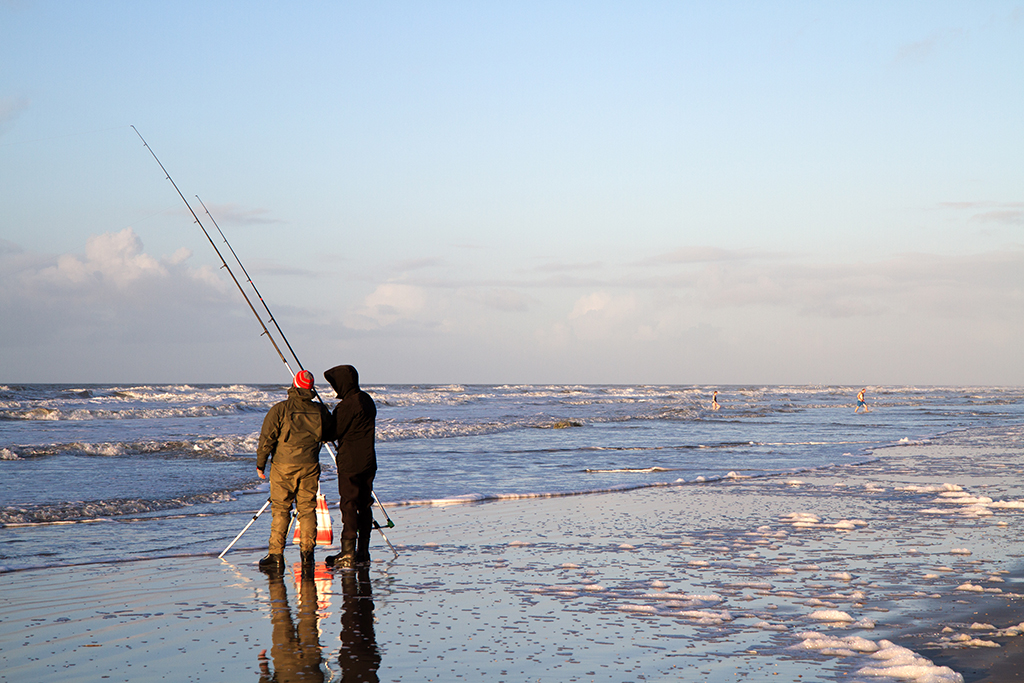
x=344 y=413
x=327 y=422
x=268 y=439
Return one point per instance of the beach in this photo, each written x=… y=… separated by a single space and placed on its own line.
x=820 y=577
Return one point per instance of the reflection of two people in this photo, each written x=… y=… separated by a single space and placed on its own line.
x=296 y=651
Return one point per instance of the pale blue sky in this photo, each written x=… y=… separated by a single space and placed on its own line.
x=716 y=193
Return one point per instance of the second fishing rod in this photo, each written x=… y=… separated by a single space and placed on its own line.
x=266 y=332
x=390 y=524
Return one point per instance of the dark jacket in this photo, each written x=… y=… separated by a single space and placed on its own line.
x=354 y=419
x=293 y=430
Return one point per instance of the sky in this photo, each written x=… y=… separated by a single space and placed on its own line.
x=713 y=193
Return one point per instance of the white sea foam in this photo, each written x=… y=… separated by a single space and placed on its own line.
x=930 y=488
x=706 y=617
x=970 y=587
x=830 y=615
x=882 y=659
x=647 y=609
x=807 y=520
x=682 y=597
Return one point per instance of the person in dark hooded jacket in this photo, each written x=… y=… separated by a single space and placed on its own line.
x=293 y=433
x=354 y=423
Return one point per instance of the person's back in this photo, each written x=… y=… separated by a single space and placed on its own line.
x=293 y=431
x=354 y=421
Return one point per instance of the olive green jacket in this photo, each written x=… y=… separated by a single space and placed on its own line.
x=293 y=430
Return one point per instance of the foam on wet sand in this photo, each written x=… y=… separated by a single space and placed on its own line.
x=708 y=582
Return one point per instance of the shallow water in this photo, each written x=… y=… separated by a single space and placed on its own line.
x=172 y=465
x=838 y=574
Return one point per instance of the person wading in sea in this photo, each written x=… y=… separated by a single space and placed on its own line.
x=860 y=401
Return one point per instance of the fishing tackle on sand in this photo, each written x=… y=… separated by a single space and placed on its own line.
x=266 y=332
x=254 y=518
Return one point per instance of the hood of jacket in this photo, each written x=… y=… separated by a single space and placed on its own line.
x=297 y=394
x=343 y=378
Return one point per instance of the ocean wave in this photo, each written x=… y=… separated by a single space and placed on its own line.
x=471 y=498
x=82 y=414
x=230 y=446
x=669 y=402
x=432 y=428
x=78 y=403
x=632 y=470
x=98 y=510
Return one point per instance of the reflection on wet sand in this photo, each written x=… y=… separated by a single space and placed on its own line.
x=296 y=654
x=296 y=651
x=359 y=657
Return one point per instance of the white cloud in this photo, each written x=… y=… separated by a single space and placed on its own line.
x=115 y=290
x=591 y=303
x=115 y=258
x=389 y=304
x=600 y=315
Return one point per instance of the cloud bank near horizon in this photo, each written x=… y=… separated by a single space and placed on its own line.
x=723 y=315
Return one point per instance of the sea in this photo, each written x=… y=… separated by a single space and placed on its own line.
x=111 y=472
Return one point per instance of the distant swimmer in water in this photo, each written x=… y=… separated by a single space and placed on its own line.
x=714 y=401
x=860 y=401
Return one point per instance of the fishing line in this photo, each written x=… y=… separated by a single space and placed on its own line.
x=389 y=524
x=266 y=332
x=224 y=264
x=258 y=295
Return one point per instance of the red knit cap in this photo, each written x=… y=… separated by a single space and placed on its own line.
x=303 y=379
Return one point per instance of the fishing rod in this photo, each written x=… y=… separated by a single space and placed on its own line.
x=266 y=332
x=254 y=518
x=389 y=524
x=248 y=279
x=293 y=515
x=224 y=264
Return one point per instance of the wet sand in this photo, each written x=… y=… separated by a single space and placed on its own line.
x=705 y=582
x=980 y=664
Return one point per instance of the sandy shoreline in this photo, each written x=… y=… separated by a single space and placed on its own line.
x=703 y=582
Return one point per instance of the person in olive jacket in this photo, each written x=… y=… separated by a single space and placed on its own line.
x=293 y=432
x=353 y=427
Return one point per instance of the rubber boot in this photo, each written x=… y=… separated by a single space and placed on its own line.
x=363 y=549
x=273 y=563
x=346 y=559
x=306 y=557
